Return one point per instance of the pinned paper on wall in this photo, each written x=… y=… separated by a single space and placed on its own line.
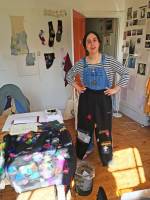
x=30 y=59
x=18 y=36
x=23 y=69
x=131 y=84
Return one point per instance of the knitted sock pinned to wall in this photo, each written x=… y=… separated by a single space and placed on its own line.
x=49 y=59
x=51 y=34
x=67 y=66
x=59 y=31
x=42 y=38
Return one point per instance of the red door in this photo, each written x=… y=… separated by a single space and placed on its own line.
x=78 y=34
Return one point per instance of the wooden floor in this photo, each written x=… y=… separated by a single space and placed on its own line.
x=129 y=170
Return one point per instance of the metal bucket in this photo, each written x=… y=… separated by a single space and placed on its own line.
x=84 y=179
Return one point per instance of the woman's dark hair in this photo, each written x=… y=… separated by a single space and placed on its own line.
x=85 y=37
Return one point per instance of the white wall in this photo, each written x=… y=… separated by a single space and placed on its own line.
x=46 y=87
x=133 y=104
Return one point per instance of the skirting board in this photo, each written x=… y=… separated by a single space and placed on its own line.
x=133 y=114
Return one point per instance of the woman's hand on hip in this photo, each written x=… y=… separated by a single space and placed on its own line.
x=111 y=91
x=79 y=88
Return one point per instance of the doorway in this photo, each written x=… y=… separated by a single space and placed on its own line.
x=107 y=28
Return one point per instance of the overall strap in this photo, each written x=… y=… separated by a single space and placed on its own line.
x=84 y=62
x=102 y=61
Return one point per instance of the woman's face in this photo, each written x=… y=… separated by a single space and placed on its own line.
x=92 y=44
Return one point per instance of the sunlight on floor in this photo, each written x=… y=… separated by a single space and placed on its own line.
x=127 y=170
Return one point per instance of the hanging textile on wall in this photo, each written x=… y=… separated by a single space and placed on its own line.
x=147 y=103
x=19 y=36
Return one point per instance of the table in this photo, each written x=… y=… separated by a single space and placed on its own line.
x=41 y=191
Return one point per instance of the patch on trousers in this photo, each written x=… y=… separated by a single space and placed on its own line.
x=89 y=117
x=83 y=137
x=106 y=132
x=106 y=147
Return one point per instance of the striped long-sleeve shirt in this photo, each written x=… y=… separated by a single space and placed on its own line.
x=111 y=66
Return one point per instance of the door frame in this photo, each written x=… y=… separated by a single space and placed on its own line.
x=104 y=14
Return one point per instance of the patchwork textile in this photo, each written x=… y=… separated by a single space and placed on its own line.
x=41 y=159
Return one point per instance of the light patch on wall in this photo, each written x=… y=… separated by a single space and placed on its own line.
x=23 y=69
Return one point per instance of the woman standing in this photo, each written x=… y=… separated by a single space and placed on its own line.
x=96 y=71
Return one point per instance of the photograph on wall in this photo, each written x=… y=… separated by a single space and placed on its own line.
x=141 y=22
x=129 y=13
x=148 y=26
x=143 y=12
x=130 y=23
x=138 y=40
x=147 y=36
x=141 y=68
x=131 y=62
x=133 y=32
x=148 y=5
x=131 y=47
x=135 y=22
x=135 y=14
x=109 y=26
x=129 y=33
x=147 y=44
x=139 y=31
x=124 y=35
x=148 y=14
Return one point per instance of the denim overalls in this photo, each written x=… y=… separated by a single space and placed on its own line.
x=95 y=78
x=95 y=113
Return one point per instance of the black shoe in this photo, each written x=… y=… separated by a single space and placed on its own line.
x=101 y=194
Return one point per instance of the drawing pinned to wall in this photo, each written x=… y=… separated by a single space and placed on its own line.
x=131 y=62
x=30 y=59
x=129 y=13
x=141 y=68
x=49 y=59
x=18 y=36
x=55 y=13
